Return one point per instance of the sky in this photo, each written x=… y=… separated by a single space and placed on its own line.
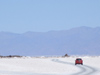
x=20 y=16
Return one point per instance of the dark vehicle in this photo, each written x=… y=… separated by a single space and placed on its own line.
x=78 y=61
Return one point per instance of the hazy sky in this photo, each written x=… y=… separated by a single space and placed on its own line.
x=20 y=16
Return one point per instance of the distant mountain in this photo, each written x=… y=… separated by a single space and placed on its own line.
x=76 y=41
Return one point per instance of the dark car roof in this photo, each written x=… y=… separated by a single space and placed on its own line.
x=78 y=58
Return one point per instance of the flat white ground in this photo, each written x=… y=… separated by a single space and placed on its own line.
x=49 y=66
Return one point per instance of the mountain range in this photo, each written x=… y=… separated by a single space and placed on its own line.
x=76 y=41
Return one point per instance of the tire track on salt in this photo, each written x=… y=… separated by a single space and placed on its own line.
x=85 y=70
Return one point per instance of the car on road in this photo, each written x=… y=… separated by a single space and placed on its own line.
x=78 y=61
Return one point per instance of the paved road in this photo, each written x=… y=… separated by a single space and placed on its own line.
x=85 y=70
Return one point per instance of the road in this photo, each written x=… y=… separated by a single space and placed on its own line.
x=85 y=70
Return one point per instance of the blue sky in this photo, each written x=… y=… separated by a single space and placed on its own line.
x=20 y=16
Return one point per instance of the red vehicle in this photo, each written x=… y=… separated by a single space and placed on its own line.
x=78 y=61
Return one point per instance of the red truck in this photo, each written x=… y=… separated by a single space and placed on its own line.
x=78 y=61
